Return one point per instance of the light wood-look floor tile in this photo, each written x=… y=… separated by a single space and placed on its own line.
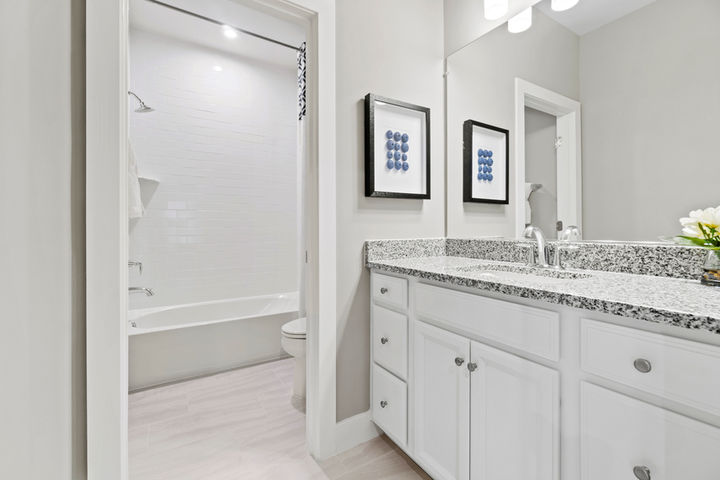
x=241 y=425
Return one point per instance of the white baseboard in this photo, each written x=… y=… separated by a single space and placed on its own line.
x=353 y=431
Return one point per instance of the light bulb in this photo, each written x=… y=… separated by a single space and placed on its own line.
x=229 y=32
x=495 y=9
x=520 y=22
x=218 y=68
x=560 y=5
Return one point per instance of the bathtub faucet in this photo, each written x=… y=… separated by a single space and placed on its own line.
x=146 y=291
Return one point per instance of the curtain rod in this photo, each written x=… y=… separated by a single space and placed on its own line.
x=216 y=22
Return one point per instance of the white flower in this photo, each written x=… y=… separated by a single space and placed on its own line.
x=709 y=218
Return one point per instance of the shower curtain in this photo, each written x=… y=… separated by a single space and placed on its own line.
x=301 y=155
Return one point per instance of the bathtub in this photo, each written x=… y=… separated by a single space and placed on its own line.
x=178 y=342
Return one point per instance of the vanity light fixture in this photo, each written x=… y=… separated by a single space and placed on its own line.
x=495 y=9
x=229 y=32
x=562 y=5
x=520 y=22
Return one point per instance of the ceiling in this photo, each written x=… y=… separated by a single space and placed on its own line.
x=589 y=15
x=150 y=17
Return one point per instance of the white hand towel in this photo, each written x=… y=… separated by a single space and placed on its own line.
x=135 y=205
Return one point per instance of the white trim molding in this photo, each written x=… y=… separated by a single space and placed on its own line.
x=569 y=156
x=355 y=430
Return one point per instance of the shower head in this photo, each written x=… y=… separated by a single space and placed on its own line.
x=142 y=108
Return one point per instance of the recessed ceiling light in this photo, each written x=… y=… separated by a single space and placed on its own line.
x=229 y=32
x=218 y=68
x=520 y=22
x=561 y=5
x=495 y=9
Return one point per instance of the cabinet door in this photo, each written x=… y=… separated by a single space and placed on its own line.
x=441 y=391
x=514 y=412
x=626 y=438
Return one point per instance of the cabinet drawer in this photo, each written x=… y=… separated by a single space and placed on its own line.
x=390 y=291
x=680 y=370
x=390 y=340
x=389 y=404
x=529 y=329
x=625 y=438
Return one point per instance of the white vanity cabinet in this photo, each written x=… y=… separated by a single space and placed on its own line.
x=478 y=386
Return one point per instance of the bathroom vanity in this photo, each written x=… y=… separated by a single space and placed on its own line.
x=487 y=369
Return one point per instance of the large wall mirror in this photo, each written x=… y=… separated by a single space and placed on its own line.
x=613 y=109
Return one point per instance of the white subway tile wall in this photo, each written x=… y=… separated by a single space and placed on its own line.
x=221 y=220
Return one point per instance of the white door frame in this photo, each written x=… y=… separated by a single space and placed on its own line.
x=107 y=230
x=569 y=155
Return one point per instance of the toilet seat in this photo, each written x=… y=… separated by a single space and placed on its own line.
x=295 y=329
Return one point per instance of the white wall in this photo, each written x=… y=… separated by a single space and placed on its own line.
x=480 y=86
x=394 y=49
x=42 y=291
x=651 y=110
x=222 y=222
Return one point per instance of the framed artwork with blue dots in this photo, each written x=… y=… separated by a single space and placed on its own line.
x=485 y=163
x=397 y=149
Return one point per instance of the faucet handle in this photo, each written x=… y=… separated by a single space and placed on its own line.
x=557 y=263
x=529 y=252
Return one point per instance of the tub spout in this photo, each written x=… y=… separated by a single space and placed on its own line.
x=146 y=291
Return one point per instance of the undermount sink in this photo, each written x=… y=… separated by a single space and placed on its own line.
x=519 y=272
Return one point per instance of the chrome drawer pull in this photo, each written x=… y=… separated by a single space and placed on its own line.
x=459 y=361
x=642 y=365
x=383 y=404
x=384 y=340
x=472 y=366
x=383 y=291
x=642 y=473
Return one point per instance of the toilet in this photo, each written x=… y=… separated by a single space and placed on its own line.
x=293 y=342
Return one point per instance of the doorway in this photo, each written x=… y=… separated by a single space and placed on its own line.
x=107 y=229
x=539 y=108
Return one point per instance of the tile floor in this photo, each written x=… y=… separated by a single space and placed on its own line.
x=241 y=425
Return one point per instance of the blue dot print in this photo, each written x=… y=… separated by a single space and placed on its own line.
x=405 y=166
x=390 y=164
x=397 y=156
x=397 y=136
x=489 y=177
x=390 y=144
x=405 y=147
x=389 y=154
x=489 y=153
x=405 y=137
x=389 y=134
x=404 y=157
x=398 y=164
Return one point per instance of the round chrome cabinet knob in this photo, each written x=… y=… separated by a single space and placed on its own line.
x=642 y=365
x=383 y=404
x=384 y=340
x=383 y=290
x=459 y=361
x=642 y=473
x=472 y=366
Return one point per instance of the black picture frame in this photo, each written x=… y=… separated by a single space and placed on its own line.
x=469 y=158
x=370 y=154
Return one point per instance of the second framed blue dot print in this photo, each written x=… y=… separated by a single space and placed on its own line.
x=485 y=163
x=397 y=149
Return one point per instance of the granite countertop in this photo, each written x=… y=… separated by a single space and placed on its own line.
x=673 y=301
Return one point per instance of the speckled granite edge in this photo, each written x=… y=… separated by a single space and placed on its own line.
x=657 y=259
x=404 y=248
x=569 y=299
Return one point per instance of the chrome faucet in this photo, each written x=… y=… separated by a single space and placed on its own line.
x=146 y=291
x=133 y=263
x=535 y=232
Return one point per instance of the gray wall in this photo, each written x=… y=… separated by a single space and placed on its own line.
x=42 y=346
x=480 y=86
x=541 y=167
x=394 y=49
x=651 y=112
